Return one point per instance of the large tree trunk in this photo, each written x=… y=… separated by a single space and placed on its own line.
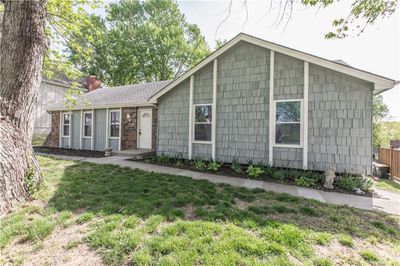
x=22 y=47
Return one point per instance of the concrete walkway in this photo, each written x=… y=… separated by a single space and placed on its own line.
x=385 y=201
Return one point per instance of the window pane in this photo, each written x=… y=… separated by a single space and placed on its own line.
x=288 y=111
x=114 y=117
x=202 y=132
x=66 y=130
x=114 y=131
x=287 y=134
x=88 y=131
x=88 y=119
x=66 y=119
x=203 y=113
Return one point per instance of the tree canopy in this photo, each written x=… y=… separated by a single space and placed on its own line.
x=139 y=41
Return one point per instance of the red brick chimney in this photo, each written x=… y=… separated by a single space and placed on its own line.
x=92 y=83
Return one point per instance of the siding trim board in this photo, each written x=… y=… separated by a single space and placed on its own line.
x=107 y=128
x=214 y=110
x=93 y=130
x=80 y=131
x=190 y=134
x=305 y=114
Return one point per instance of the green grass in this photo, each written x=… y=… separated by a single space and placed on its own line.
x=38 y=139
x=137 y=217
x=369 y=256
x=387 y=184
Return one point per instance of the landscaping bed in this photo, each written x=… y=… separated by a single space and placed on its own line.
x=68 y=152
x=344 y=183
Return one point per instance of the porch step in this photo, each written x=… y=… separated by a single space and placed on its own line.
x=135 y=154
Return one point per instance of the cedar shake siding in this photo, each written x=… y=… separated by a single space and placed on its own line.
x=339 y=112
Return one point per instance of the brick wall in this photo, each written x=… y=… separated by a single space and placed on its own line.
x=129 y=128
x=53 y=139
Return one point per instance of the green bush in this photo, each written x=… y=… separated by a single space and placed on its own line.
x=369 y=256
x=199 y=164
x=213 y=166
x=236 y=167
x=163 y=159
x=350 y=183
x=346 y=240
x=304 y=181
x=254 y=171
x=279 y=175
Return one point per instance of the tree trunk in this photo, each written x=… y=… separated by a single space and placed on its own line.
x=22 y=47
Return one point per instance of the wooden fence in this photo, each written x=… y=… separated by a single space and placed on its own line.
x=391 y=157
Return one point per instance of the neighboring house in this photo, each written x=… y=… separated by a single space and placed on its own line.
x=250 y=100
x=118 y=117
x=50 y=91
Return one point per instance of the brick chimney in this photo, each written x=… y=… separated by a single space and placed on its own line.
x=92 y=83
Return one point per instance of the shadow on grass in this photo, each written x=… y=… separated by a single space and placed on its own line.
x=107 y=189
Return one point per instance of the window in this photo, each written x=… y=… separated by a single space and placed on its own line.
x=114 y=124
x=288 y=123
x=87 y=124
x=65 y=124
x=202 y=122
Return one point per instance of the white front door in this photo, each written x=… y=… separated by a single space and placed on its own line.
x=144 y=128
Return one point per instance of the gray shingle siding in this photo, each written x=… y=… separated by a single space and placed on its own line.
x=100 y=118
x=173 y=121
x=86 y=144
x=75 y=130
x=243 y=104
x=339 y=117
x=340 y=121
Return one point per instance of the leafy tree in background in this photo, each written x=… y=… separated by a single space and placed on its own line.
x=139 y=41
x=379 y=111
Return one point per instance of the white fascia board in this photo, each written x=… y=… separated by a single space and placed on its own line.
x=110 y=106
x=380 y=82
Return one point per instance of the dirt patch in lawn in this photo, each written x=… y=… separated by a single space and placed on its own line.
x=63 y=247
x=69 y=152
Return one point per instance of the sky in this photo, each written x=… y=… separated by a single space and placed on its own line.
x=376 y=50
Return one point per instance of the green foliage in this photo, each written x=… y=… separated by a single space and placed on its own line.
x=322 y=262
x=351 y=182
x=384 y=132
x=236 y=166
x=254 y=171
x=362 y=14
x=30 y=182
x=323 y=239
x=346 y=240
x=379 y=111
x=279 y=175
x=304 y=181
x=163 y=159
x=199 y=164
x=369 y=256
x=85 y=217
x=213 y=166
x=139 y=41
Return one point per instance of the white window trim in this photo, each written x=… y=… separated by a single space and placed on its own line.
x=63 y=124
x=194 y=124
x=109 y=125
x=278 y=145
x=84 y=124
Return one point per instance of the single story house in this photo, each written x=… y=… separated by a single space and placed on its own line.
x=118 y=117
x=250 y=100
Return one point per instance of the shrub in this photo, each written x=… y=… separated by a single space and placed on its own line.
x=346 y=240
x=322 y=262
x=178 y=159
x=236 y=167
x=304 y=181
x=280 y=175
x=163 y=159
x=323 y=239
x=350 y=183
x=254 y=171
x=214 y=166
x=199 y=164
x=369 y=256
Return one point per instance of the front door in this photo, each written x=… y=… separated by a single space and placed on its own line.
x=144 y=128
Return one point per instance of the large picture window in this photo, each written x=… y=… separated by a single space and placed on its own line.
x=115 y=124
x=202 y=122
x=288 y=123
x=66 y=123
x=87 y=124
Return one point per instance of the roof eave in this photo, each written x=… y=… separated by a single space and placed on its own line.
x=104 y=106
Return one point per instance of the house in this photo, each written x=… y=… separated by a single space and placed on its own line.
x=250 y=100
x=118 y=117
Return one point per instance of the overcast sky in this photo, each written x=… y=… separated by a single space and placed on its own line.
x=377 y=50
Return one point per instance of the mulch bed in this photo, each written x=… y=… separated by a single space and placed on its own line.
x=226 y=170
x=69 y=152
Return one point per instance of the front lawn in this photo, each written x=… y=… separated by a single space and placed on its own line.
x=387 y=184
x=91 y=214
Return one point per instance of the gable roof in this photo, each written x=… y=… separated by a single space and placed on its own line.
x=121 y=96
x=381 y=83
